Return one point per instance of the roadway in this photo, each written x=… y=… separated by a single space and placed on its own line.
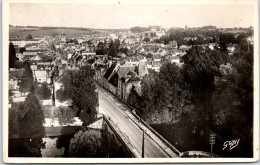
x=130 y=129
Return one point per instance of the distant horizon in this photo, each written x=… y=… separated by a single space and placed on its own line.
x=125 y=16
x=123 y=28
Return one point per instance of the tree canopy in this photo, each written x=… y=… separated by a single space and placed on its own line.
x=27 y=81
x=86 y=144
x=80 y=88
x=26 y=118
x=44 y=91
x=12 y=55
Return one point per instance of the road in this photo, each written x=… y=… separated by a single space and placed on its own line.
x=133 y=133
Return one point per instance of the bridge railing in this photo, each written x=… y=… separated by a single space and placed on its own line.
x=156 y=133
x=131 y=149
x=198 y=154
x=176 y=151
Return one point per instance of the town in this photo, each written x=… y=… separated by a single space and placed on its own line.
x=69 y=84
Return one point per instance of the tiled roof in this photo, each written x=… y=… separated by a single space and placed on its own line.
x=114 y=80
x=155 y=56
x=109 y=71
x=123 y=71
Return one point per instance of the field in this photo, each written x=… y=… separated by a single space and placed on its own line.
x=40 y=32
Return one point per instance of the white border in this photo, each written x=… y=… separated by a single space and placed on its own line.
x=5 y=38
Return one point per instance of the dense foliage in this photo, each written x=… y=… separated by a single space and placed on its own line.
x=43 y=91
x=95 y=143
x=212 y=89
x=27 y=81
x=80 y=88
x=139 y=29
x=26 y=118
x=12 y=55
x=199 y=36
x=86 y=144
x=111 y=49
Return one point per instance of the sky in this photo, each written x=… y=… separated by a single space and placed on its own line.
x=117 y=16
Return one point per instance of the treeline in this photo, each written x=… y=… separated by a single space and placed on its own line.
x=202 y=37
x=212 y=89
x=138 y=29
x=52 y=27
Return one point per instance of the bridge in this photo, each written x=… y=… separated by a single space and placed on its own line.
x=138 y=137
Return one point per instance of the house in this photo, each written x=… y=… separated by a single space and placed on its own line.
x=175 y=59
x=42 y=76
x=88 y=53
x=121 y=55
x=184 y=47
x=28 y=57
x=33 y=65
x=156 y=57
x=125 y=84
x=108 y=74
x=132 y=61
x=36 y=58
x=154 y=65
x=44 y=66
x=22 y=43
x=162 y=52
x=142 y=69
x=123 y=76
x=13 y=82
x=99 y=73
x=30 y=53
x=172 y=44
x=102 y=57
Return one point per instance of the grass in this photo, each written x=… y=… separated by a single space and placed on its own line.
x=40 y=32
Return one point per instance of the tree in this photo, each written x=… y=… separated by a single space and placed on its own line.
x=149 y=92
x=13 y=120
x=113 y=48
x=25 y=147
x=44 y=91
x=86 y=144
x=27 y=79
x=32 y=118
x=199 y=71
x=22 y=49
x=62 y=95
x=232 y=100
x=79 y=86
x=101 y=50
x=29 y=36
x=146 y=39
x=26 y=118
x=178 y=96
x=12 y=55
x=139 y=29
x=134 y=99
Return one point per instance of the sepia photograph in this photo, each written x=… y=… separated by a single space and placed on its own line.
x=135 y=80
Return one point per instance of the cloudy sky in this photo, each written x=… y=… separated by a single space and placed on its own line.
x=129 y=15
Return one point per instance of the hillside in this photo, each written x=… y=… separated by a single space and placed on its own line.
x=22 y=32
